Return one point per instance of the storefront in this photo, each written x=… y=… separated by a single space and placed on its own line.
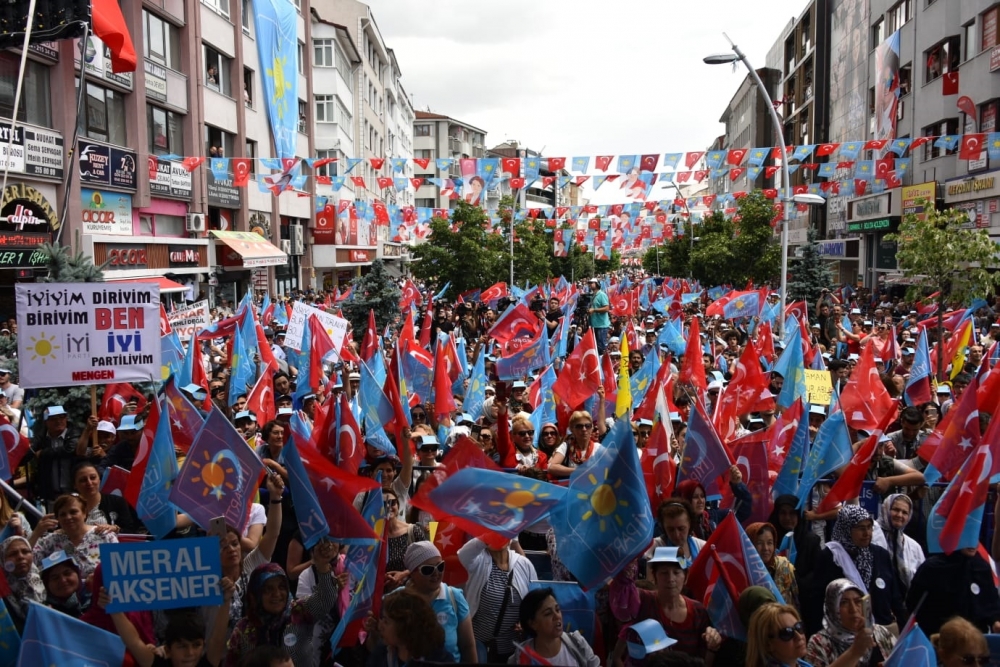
x=979 y=197
x=342 y=246
x=27 y=220
x=874 y=217
x=239 y=258
x=842 y=255
x=350 y=264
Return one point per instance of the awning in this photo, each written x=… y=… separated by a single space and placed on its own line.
x=167 y=286
x=246 y=250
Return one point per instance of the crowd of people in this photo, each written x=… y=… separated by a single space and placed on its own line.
x=846 y=579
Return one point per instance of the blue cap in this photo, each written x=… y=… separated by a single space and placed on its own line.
x=195 y=390
x=427 y=441
x=652 y=637
x=245 y=414
x=644 y=422
x=129 y=423
x=57 y=558
x=54 y=411
x=668 y=555
x=465 y=418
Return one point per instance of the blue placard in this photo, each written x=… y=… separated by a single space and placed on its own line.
x=165 y=574
x=870 y=500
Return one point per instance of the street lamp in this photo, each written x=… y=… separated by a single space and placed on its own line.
x=787 y=198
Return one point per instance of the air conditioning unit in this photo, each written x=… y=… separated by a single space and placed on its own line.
x=297 y=237
x=286 y=246
x=195 y=222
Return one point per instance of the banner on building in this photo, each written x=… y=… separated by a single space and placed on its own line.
x=72 y=334
x=887 y=87
x=187 y=322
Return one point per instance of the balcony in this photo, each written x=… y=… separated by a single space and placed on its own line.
x=454 y=145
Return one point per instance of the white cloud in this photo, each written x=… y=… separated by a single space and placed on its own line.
x=580 y=77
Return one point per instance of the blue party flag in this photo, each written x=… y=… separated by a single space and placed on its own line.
x=918 y=385
x=704 y=457
x=900 y=146
x=791 y=366
x=10 y=640
x=53 y=638
x=219 y=476
x=912 y=648
x=947 y=141
x=530 y=354
x=605 y=521
x=350 y=163
x=671 y=160
x=277 y=50
x=850 y=150
x=312 y=522
x=830 y=450
x=154 y=508
x=443 y=163
x=580 y=164
x=803 y=152
x=787 y=481
x=626 y=162
x=502 y=502
x=220 y=168
x=787 y=548
x=714 y=159
x=993 y=145
x=475 y=393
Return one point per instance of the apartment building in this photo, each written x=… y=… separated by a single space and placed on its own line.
x=438 y=136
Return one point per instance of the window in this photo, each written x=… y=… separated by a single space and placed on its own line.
x=905 y=79
x=220 y=141
x=302 y=57
x=162 y=44
x=246 y=9
x=340 y=60
x=989 y=33
x=35 y=104
x=968 y=40
x=325 y=109
x=248 y=87
x=898 y=15
x=941 y=128
x=877 y=33
x=330 y=168
x=942 y=58
x=218 y=71
x=429 y=202
x=423 y=130
x=103 y=116
x=165 y=131
x=424 y=153
x=251 y=152
x=323 y=53
x=218 y=6
x=302 y=116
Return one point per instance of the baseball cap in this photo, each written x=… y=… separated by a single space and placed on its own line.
x=245 y=414
x=129 y=423
x=54 y=411
x=106 y=427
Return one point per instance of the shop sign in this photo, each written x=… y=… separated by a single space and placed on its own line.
x=833 y=248
x=869 y=207
x=391 y=250
x=105 y=165
x=181 y=255
x=47 y=50
x=169 y=178
x=995 y=59
x=971 y=186
x=156 y=81
x=222 y=193
x=359 y=255
x=127 y=256
x=27 y=219
x=97 y=57
x=108 y=213
x=911 y=194
x=881 y=224
x=32 y=151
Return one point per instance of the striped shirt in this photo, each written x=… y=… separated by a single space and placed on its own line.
x=484 y=623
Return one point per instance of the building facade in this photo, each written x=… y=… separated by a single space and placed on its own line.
x=438 y=136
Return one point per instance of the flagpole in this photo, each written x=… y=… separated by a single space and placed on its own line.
x=513 y=210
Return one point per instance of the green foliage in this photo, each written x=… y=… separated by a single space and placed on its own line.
x=608 y=265
x=674 y=255
x=810 y=274
x=941 y=254
x=375 y=291
x=470 y=257
x=737 y=252
x=65 y=267
x=576 y=265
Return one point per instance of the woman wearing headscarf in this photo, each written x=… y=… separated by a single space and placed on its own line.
x=906 y=554
x=23 y=578
x=787 y=519
x=845 y=640
x=764 y=537
x=851 y=555
x=273 y=618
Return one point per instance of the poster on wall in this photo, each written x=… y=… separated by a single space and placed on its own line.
x=74 y=334
x=108 y=213
x=189 y=321
x=887 y=87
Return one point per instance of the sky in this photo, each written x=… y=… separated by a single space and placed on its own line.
x=580 y=77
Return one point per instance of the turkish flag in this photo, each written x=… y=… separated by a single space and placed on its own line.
x=384 y=181
x=776 y=152
x=770 y=171
x=416 y=182
x=192 y=163
x=511 y=165
x=865 y=399
x=377 y=163
x=875 y=144
x=701 y=175
x=649 y=162
x=860 y=186
x=556 y=163
x=883 y=167
x=707 y=200
x=682 y=176
x=845 y=165
x=110 y=27
x=735 y=156
x=241 y=171
x=972 y=146
x=359 y=181
x=422 y=162
x=603 y=161
x=516 y=183
x=918 y=142
x=892 y=180
x=152 y=164
x=735 y=173
x=580 y=377
x=949 y=83
x=580 y=180
x=691 y=159
x=693 y=368
x=826 y=149
x=771 y=193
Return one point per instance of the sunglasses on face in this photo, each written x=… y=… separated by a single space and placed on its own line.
x=645 y=434
x=418 y=415
x=524 y=433
x=976 y=660
x=549 y=434
x=788 y=634
x=583 y=427
x=428 y=570
x=429 y=448
x=389 y=502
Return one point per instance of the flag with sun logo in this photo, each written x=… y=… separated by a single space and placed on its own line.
x=219 y=477
x=605 y=520
x=277 y=48
x=499 y=501
x=153 y=505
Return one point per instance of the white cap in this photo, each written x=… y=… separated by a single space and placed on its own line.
x=106 y=427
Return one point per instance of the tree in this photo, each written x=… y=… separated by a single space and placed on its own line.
x=65 y=267
x=940 y=253
x=674 y=255
x=373 y=291
x=608 y=265
x=810 y=275
x=462 y=252
x=735 y=251
x=575 y=266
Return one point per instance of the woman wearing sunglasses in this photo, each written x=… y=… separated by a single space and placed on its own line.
x=581 y=444
x=530 y=461
x=426 y=567
x=961 y=644
x=846 y=640
x=776 y=637
x=400 y=535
